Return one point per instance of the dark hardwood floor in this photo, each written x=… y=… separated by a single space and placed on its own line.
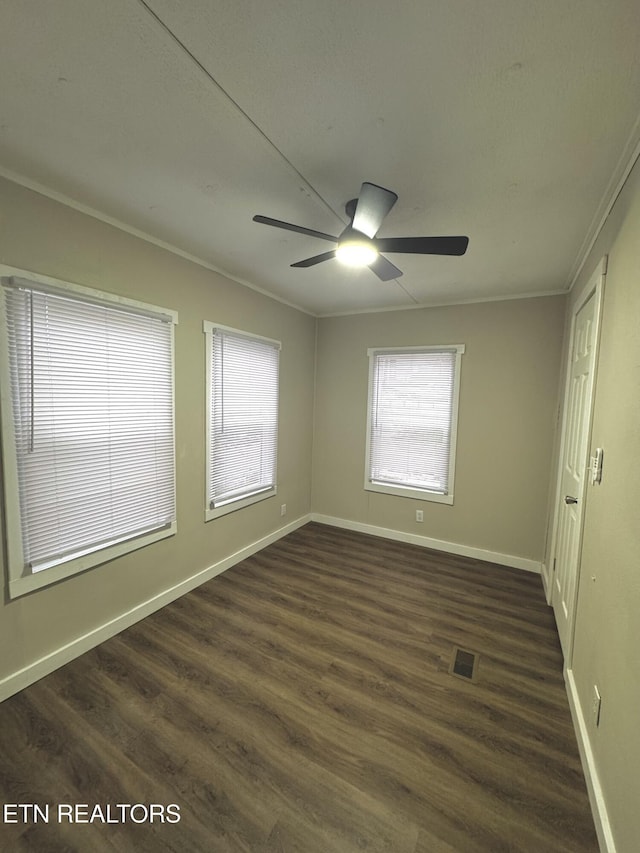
x=302 y=703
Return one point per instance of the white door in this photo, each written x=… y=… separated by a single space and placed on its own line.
x=574 y=464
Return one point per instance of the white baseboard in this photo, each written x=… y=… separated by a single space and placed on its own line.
x=38 y=669
x=594 y=789
x=437 y=544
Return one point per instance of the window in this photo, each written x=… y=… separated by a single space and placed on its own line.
x=411 y=424
x=88 y=443
x=242 y=419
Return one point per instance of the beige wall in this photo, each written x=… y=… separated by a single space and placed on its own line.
x=607 y=630
x=507 y=421
x=42 y=236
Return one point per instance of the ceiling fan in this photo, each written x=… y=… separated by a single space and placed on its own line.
x=358 y=244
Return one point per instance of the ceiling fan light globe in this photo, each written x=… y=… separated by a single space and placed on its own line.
x=356 y=253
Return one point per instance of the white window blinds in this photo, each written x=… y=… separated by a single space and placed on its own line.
x=92 y=404
x=243 y=416
x=412 y=408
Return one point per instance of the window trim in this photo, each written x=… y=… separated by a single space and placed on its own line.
x=20 y=578
x=411 y=491
x=232 y=504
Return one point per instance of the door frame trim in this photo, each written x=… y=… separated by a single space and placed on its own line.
x=595 y=285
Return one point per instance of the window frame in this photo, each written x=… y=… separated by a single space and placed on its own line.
x=232 y=504
x=21 y=578
x=411 y=491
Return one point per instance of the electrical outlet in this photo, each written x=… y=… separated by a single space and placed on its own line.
x=596 y=705
x=283 y=509
x=419 y=515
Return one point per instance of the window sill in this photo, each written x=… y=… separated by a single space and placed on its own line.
x=406 y=492
x=29 y=583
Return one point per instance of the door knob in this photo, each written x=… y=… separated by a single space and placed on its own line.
x=569 y=500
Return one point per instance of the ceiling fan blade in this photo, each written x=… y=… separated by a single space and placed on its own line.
x=373 y=205
x=288 y=226
x=317 y=259
x=423 y=245
x=384 y=269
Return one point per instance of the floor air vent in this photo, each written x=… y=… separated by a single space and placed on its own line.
x=464 y=664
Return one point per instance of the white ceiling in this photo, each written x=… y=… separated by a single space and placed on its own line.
x=509 y=121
